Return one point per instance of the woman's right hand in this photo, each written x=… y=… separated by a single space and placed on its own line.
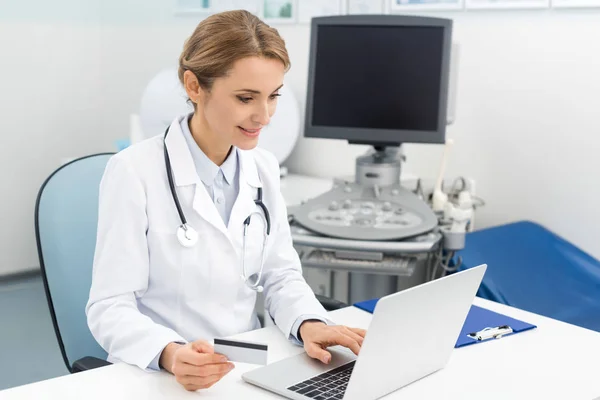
x=195 y=365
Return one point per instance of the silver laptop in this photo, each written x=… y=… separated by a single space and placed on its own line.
x=412 y=335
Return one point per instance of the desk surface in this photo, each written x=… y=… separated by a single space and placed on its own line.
x=555 y=361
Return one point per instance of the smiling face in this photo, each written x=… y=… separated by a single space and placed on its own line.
x=239 y=104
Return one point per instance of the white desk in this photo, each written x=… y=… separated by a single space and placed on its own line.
x=555 y=361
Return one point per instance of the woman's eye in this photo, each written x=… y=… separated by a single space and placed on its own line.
x=244 y=100
x=274 y=96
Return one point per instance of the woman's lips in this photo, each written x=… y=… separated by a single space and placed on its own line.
x=250 y=132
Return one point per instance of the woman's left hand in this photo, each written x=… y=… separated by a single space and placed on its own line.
x=317 y=336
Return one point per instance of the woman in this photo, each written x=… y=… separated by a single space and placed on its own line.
x=161 y=289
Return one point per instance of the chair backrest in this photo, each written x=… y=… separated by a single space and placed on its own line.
x=66 y=215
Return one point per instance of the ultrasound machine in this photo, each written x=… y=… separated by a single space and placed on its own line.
x=382 y=81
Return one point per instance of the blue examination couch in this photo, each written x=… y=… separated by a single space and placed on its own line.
x=531 y=268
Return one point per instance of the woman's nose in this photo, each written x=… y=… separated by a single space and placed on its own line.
x=262 y=115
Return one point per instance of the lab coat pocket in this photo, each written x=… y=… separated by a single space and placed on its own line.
x=182 y=269
x=165 y=259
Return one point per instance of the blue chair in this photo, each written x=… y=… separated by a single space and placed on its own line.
x=531 y=268
x=66 y=215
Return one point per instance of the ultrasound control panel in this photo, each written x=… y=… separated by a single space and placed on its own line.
x=353 y=211
x=377 y=214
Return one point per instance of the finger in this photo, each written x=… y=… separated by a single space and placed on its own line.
x=202 y=370
x=199 y=380
x=359 y=339
x=202 y=346
x=196 y=383
x=191 y=388
x=315 y=351
x=194 y=358
x=346 y=341
x=215 y=369
x=361 y=332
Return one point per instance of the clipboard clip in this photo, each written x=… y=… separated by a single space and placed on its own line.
x=489 y=333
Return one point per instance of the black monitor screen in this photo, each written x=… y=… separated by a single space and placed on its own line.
x=378 y=77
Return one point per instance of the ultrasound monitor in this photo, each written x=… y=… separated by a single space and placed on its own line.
x=380 y=80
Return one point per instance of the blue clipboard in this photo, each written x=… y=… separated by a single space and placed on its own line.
x=477 y=321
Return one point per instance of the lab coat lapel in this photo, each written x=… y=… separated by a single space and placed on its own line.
x=204 y=206
x=244 y=204
x=184 y=174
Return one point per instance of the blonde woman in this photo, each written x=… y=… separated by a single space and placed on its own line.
x=192 y=223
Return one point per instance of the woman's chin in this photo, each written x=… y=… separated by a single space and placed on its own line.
x=247 y=143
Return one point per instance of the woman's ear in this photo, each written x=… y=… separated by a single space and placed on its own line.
x=192 y=87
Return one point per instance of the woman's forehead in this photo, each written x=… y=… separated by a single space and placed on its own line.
x=254 y=73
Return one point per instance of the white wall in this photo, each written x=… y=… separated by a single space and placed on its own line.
x=526 y=129
x=71 y=72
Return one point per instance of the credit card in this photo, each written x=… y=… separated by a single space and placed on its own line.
x=242 y=351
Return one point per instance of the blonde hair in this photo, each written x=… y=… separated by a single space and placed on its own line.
x=222 y=39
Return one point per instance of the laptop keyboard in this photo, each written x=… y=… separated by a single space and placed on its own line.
x=329 y=385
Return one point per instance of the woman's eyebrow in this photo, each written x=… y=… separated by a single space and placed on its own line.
x=254 y=91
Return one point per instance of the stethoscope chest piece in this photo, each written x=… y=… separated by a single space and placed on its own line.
x=187 y=236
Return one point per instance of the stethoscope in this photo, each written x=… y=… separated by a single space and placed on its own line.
x=188 y=237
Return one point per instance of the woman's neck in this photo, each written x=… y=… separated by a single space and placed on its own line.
x=210 y=143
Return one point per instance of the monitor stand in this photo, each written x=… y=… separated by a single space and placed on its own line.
x=374 y=207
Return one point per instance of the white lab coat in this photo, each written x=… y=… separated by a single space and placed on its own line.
x=147 y=290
